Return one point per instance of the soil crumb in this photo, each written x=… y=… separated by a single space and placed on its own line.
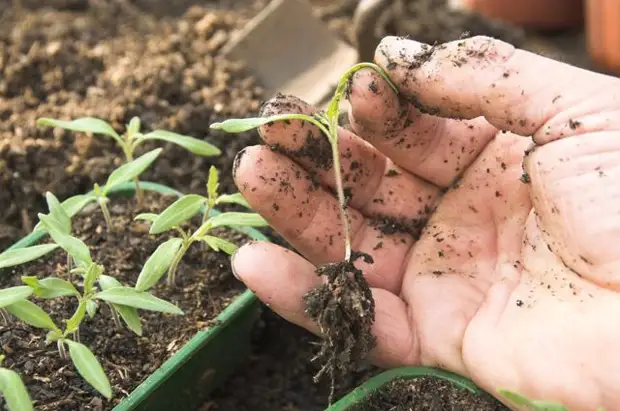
x=344 y=309
x=426 y=394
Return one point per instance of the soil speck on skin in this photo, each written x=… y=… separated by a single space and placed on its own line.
x=344 y=310
x=574 y=124
x=426 y=394
x=391 y=225
x=205 y=286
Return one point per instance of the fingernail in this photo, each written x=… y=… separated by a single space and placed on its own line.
x=237 y=160
x=232 y=264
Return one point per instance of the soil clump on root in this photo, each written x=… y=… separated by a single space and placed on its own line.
x=344 y=309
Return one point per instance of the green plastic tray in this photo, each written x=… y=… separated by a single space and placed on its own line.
x=358 y=395
x=204 y=362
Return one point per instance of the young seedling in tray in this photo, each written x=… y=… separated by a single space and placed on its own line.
x=343 y=307
x=96 y=287
x=170 y=253
x=13 y=390
x=132 y=138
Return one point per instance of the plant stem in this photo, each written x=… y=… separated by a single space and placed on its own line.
x=106 y=214
x=128 y=150
x=175 y=262
x=139 y=192
x=61 y=349
x=344 y=212
x=69 y=267
x=117 y=321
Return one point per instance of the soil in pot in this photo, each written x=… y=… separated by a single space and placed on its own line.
x=426 y=394
x=205 y=286
x=113 y=60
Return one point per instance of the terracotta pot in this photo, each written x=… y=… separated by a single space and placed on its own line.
x=534 y=14
x=603 y=33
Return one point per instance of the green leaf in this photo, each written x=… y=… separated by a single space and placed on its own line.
x=130 y=170
x=89 y=368
x=50 y=287
x=128 y=314
x=141 y=300
x=239 y=125
x=130 y=317
x=74 y=322
x=193 y=145
x=134 y=126
x=14 y=391
x=157 y=264
x=219 y=244
x=12 y=295
x=236 y=219
x=91 y=276
x=533 y=405
x=31 y=314
x=72 y=206
x=91 y=308
x=213 y=183
x=146 y=216
x=74 y=246
x=236 y=198
x=177 y=213
x=23 y=255
x=58 y=213
x=83 y=124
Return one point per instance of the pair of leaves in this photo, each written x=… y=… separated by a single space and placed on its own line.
x=128 y=314
x=14 y=391
x=130 y=170
x=71 y=206
x=98 y=126
x=50 y=287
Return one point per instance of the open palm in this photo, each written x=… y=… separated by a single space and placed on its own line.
x=495 y=254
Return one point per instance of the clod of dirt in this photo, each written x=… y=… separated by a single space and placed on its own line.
x=344 y=310
x=426 y=394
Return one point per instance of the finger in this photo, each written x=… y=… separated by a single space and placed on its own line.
x=436 y=149
x=290 y=277
x=308 y=217
x=577 y=200
x=373 y=184
x=513 y=89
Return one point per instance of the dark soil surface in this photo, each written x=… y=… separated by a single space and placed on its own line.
x=278 y=374
x=205 y=285
x=426 y=394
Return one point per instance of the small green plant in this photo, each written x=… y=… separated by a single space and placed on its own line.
x=533 y=405
x=327 y=122
x=170 y=253
x=13 y=390
x=96 y=288
x=132 y=138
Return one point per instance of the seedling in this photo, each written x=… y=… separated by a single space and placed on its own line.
x=343 y=307
x=96 y=287
x=170 y=253
x=132 y=138
x=13 y=390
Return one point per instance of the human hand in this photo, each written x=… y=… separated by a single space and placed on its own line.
x=511 y=283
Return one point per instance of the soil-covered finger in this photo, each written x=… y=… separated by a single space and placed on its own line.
x=435 y=149
x=513 y=89
x=372 y=183
x=308 y=216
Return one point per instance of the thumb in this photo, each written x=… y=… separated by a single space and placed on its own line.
x=576 y=200
x=513 y=89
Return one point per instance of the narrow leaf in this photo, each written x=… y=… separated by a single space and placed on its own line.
x=235 y=219
x=219 y=244
x=534 y=405
x=236 y=198
x=74 y=322
x=74 y=246
x=130 y=317
x=141 y=300
x=105 y=282
x=51 y=287
x=31 y=314
x=12 y=295
x=130 y=170
x=58 y=213
x=193 y=145
x=91 y=308
x=92 y=273
x=239 y=125
x=23 y=255
x=157 y=264
x=213 y=183
x=134 y=126
x=146 y=216
x=89 y=368
x=177 y=213
x=14 y=391
x=83 y=124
